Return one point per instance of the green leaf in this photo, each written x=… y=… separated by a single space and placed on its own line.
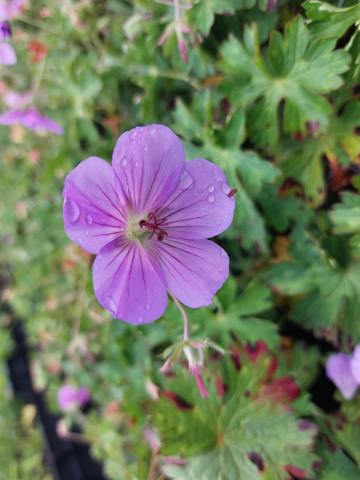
x=330 y=21
x=303 y=161
x=241 y=425
x=346 y=215
x=293 y=68
x=337 y=465
x=330 y=293
x=246 y=171
x=282 y=212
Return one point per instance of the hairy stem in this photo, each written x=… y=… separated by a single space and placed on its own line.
x=184 y=317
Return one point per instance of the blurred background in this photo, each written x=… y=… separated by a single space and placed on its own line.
x=268 y=90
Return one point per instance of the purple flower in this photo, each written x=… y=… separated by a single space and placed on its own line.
x=7 y=54
x=355 y=363
x=70 y=397
x=148 y=217
x=11 y=8
x=344 y=371
x=31 y=119
x=5 y=30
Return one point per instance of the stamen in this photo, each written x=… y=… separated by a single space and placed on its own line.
x=154 y=226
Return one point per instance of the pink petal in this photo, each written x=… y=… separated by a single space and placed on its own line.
x=34 y=120
x=200 y=206
x=355 y=364
x=148 y=161
x=194 y=269
x=7 y=54
x=93 y=213
x=31 y=119
x=128 y=283
x=339 y=371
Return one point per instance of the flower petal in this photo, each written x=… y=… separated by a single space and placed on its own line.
x=200 y=206
x=194 y=269
x=93 y=214
x=128 y=283
x=148 y=161
x=339 y=371
x=355 y=364
x=34 y=120
x=7 y=54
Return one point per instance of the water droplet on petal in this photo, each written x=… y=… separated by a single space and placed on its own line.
x=111 y=304
x=89 y=219
x=211 y=188
x=225 y=188
x=223 y=253
x=152 y=131
x=141 y=319
x=148 y=306
x=211 y=199
x=146 y=148
x=124 y=162
x=136 y=164
x=133 y=135
x=86 y=232
x=72 y=209
x=186 y=180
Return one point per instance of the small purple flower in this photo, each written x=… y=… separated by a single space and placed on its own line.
x=5 y=30
x=11 y=8
x=32 y=119
x=7 y=54
x=355 y=364
x=344 y=370
x=16 y=100
x=148 y=217
x=70 y=397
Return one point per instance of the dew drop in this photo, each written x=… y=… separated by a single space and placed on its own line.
x=133 y=135
x=89 y=219
x=141 y=320
x=211 y=199
x=186 y=180
x=136 y=164
x=152 y=131
x=72 y=209
x=111 y=304
x=211 y=188
x=148 y=306
x=86 y=232
x=223 y=253
x=146 y=148
x=124 y=162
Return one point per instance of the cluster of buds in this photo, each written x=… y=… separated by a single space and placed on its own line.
x=193 y=351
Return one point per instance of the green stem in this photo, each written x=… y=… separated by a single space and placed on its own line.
x=184 y=317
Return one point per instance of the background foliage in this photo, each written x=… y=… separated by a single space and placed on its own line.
x=267 y=90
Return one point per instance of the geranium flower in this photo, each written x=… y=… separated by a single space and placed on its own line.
x=32 y=119
x=344 y=370
x=7 y=53
x=11 y=8
x=70 y=397
x=148 y=217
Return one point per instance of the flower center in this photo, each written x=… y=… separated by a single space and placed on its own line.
x=154 y=226
x=144 y=229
